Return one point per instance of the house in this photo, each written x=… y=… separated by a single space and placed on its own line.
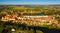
x=8 y=18
x=14 y=15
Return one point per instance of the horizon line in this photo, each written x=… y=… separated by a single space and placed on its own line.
x=29 y=4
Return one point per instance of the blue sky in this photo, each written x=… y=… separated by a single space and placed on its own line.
x=19 y=2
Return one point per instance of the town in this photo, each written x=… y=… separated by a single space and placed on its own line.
x=42 y=16
x=31 y=20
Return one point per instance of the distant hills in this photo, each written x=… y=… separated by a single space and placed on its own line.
x=33 y=5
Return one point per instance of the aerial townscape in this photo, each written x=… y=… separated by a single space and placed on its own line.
x=29 y=18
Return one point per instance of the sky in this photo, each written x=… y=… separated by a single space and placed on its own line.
x=29 y=2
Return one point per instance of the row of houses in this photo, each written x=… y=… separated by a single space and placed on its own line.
x=31 y=19
x=43 y=19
